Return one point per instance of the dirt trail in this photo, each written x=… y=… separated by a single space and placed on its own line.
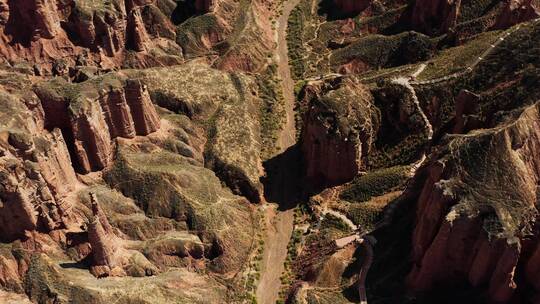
x=405 y=82
x=279 y=223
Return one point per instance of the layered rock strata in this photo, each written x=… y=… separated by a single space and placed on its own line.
x=43 y=31
x=35 y=178
x=477 y=209
x=93 y=119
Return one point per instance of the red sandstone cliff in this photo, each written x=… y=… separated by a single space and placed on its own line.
x=43 y=31
x=517 y=11
x=144 y=115
x=91 y=121
x=34 y=182
x=476 y=210
x=109 y=257
x=352 y=7
x=432 y=16
x=105 y=245
x=338 y=131
x=137 y=35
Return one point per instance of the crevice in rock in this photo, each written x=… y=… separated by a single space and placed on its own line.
x=190 y=8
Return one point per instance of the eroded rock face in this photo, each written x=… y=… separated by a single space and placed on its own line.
x=517 y=11
x=429 y=16
x=339 y=128
x=35 y=176
x=104 y=250
x=47 y=30
x=138 y=37
x=472 y=220
x=352 y=7
x=93 y=119
x=142 y=110
x=190 y=220
x=35 y=19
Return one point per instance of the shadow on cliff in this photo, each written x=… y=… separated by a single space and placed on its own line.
x=328 y=8
x=283 y=180
x=186 y=9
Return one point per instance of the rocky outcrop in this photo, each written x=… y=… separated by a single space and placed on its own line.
x=16 y=205
x=43 y=31
x=105 y=245
x=116 y=113
x=352 y=7
x=36 y=175
x=34 y=19
x=92 y=120
x=104 y=250
x=472 y=222
x=99 y=215
x=144 y=115
x=137 y=35
x=339 y=128
x=432 y=17
x=108 y=255
x=35 y=178
x=517 y=11
x=91 y=142
x=466 y=105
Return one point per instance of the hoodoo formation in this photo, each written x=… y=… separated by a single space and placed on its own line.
x=257 y=151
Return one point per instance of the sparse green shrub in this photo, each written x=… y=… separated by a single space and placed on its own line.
x=333 y=222
x=272 y=110
x=376 y=183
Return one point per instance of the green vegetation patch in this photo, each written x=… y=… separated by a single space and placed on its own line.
x=384 y=51
x=376 y=183
x=458 y=58
x=295 y=39
x=333 y=223
x=272 y=110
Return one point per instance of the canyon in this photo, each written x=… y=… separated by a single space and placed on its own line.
x=255 y=151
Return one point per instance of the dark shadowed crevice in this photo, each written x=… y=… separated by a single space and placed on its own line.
x=283 y=180
x=186 y=9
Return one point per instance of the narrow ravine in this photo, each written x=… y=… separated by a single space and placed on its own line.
x=279 y=217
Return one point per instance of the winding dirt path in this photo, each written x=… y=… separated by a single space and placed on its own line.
x=279 y=223
x=405 y=82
